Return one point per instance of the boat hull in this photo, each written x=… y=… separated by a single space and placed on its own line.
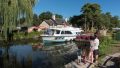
x=57 y=38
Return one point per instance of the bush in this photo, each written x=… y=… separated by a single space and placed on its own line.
x=117 y=35
x=105 y=43
x=23 y=35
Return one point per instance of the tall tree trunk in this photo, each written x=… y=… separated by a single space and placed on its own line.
x=92 y=26
x=88 y=27
x=85 y=24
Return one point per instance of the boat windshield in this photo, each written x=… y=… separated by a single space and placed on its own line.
x=51 y=31
x=48 y=32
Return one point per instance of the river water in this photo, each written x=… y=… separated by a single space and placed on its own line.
x=51 y=55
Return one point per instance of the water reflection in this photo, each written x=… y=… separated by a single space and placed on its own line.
x=20 y=51
x=33 y=56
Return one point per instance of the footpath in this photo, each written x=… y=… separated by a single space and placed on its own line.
x=74 y=64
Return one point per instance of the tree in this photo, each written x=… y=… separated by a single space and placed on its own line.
x=12 y=10
x=59 y=16
x=48 y=15
x=92 y=17
x=107 y=21
x=91 y=12
x=45 y=16
x=77 y=21
x=115 y=21
x=0 y=21
x=36 y=20
x=74 y=20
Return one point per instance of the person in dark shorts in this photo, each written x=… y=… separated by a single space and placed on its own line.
x=96 y=49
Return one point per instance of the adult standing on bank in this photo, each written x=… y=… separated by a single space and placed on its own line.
x=96 y=48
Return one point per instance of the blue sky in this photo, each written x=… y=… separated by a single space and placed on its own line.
x=68 y=8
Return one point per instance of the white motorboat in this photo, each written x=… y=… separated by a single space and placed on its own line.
x=60 y=34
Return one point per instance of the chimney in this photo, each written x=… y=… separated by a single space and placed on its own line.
x=53 y=16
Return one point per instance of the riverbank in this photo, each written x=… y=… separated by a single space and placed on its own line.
x=21 y=38
x=22 y=35
x=113 y=48
x=30 y=41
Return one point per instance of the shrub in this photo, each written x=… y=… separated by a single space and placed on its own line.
x=117 y=35
x=105 y=43
x=23 y=35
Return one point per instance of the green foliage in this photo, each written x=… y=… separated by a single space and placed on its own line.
x=12 y=10
x=115 y=21
x=58 y=16
x=77 y=20
x=36 y=20
x=91 y=12
x=117 y=35
x=91 y=16
x=48 y=15
x=105 y=44
x=34 y=34
x=45 y=16
x=22 y=35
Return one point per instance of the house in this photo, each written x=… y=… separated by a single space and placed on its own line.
x=36 y=28
x=47 y=23
x=54 y=22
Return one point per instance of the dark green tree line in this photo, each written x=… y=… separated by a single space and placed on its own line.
x=92 y=17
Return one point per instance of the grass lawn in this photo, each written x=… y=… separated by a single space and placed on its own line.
x=112 y=49
x=115 y=48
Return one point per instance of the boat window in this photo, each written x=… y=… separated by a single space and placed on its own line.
x=63 y=32
x=68 y=32
x=77 y=33
x=57 y=31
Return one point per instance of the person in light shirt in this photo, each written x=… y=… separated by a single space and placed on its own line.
x=96 y=48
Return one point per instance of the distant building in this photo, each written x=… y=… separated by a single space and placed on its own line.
x=47 y=23
x=54 y=22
